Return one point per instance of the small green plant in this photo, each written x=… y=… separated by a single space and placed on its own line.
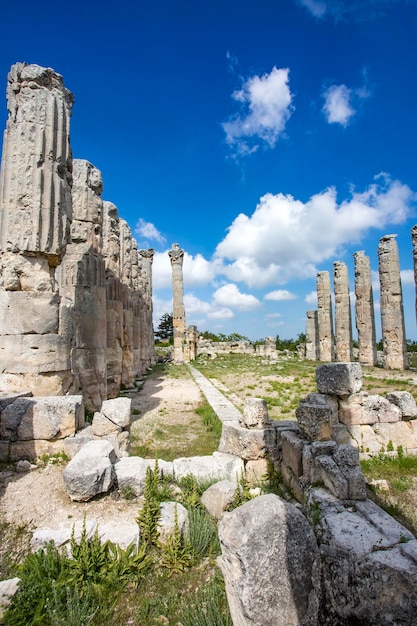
x=128 y=493
x=176 y=554
x=202 y=533
x=390 y=446
x=149 y=514
x=71 y=609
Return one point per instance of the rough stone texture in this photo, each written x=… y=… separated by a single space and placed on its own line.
x=217 y=466
x=391 y=301
x=270 y=563
x=360 y=408
x=339 y=379
x=41 y=418
x=90 y=472
x=8 y=588
x=176 y=256
x=256 y=471
x=364 y=310
x=292 y=452
x=118 y=410
x=406 y=403
x=126 y=249
x=219 y=496
x=369 y=563
x=166 y=521
x=325 y=317
x=82 y=287
x=123 y=535
x=247 y=443
x=35 y=214
x=343 y=316
x=312 y=336
x=74 y=443
x=316 y=415
x=147 y=340
x=131 y=472
x=255 y=414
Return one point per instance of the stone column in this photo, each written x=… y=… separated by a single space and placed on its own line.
x=136 y=307
x=82 y=288
x=192 y=341
x=176 y=256
x=126 y=278
x=114 y=302
x=391 y=300
x=364 y=309
x=325 y=317
x=312 y=336
x=343 y=316
x=147 y=338
x=414 y=244
x=35 y=216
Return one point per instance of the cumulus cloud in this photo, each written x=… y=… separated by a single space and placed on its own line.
x=407 y=277
x=147 y=231
x=197 y=271
x=279 y=295
x=265 y=107
x=316 y=8
x=229 y=295
x=337 y=107
x=285 y=238
x=221 y=314
x=273 y=316
x=311 y=298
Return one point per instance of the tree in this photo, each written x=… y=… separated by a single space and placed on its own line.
x=165 y=331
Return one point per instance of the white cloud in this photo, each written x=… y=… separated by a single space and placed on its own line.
x=311 y=298
x=337 y=107
x=221 y=314
x=146 y=230
x=273 y=315
x=376 y=285
x=265 y=109
x=316 y=8
x=193 y=305
x=197 y=271
x=285 y=238
x=280 y=294
x=407 y=277
x=229 y=295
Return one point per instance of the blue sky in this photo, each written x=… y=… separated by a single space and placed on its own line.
x=268 y=139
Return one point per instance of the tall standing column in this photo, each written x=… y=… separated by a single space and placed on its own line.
x=343 y=316
x=147 y=338
x=312 y=336
x=414 y=244
x=126 y=277
x=364 y=309
x=35 y=216
x=176 y=256
x=325 y=317
x=391 y=299
x=82 y=288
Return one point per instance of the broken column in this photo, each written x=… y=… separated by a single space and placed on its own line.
x=391 y=300
x=35 y=215
x=82 y=288
x=312 y=336
x=114 y=303
x=364 y=309
x=147 y=337
x=126 y=278
x=325 y=317
x=176 y=256
x=343 y=317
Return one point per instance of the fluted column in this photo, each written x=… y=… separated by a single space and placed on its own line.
x=391 y=300
x=176 y=256
x=343 y=316
x=147 y=339
x=364 y=309
x=325 y=317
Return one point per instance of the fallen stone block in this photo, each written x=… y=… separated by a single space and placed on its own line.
x=255 y=414
x=8 y=589
x=209 y=468
x=166 y=521
x=332 y=477
x=292 y=452
x=118 y=411
x=339 y=379
x=131 y=472
x=405 y=402
x=74 y=443
x=256 y=471
x=247 y=443
x=90 y=472
x=362 y=408
x=219 y=496
x=316 y=415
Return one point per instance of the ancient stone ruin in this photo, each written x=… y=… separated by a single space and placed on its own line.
x=323 y=344
x=75 y=294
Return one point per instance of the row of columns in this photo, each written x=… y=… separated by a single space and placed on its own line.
x=326 y=345
x=75 y=292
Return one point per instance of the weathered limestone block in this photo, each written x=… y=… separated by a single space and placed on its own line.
x=361 y=408
x=131 y=472
x=364 y=309
x=102 y=426
x=247 y=444
x=270 y=563
x=217 y=466
x=219 y=496
x=255 y=414
x=369 y=563
x=165 y=468
x=339 y=379
x=405 y=401
x=343 y=318
x=118 y=410
x=14 y=318
x=8 y=589
x=391 y=301
x=312 y=474
x=256 y=471
x=396 y=434
x=316 y=415
x=90 y=472
x=282 y=426
x=166 y=521
x=74 y=443
x=33 y=449
x=292 y=452
x=312 y=336
x=122 y=534
x=332 y=477
x=42 y=418
x=61 y=535
x=28 y=354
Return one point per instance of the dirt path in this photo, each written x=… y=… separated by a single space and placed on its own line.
x=38 y=499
